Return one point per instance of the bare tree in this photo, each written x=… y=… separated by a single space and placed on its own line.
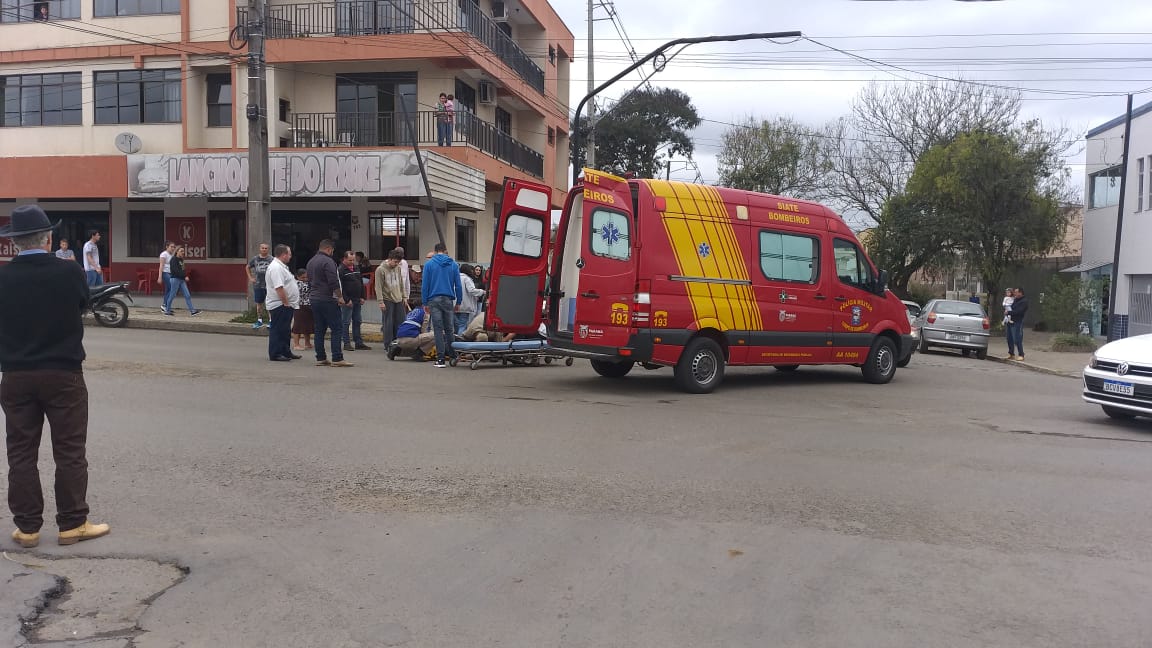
x=780 y=157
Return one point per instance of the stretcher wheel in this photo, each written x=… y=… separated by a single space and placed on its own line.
x=475 y=363
x=452 y=362
x=568 y=362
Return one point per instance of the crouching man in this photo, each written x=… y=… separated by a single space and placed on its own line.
x=413 y=337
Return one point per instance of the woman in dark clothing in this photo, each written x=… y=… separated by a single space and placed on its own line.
x=179 y=282
x=478 y=279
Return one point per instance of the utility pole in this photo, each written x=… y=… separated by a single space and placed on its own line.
x=1115 y=281
x=259 y=200
x=590 y=154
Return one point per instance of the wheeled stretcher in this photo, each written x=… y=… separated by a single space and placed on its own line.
x=522 y=352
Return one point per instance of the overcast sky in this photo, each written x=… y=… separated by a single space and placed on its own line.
x=1065 y=55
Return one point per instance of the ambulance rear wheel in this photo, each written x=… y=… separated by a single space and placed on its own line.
x=701 y=366
x=880 y=366
x=611 y=369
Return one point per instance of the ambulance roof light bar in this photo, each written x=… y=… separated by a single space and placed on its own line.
x=659 y=51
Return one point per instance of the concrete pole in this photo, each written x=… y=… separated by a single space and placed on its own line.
x=259 y=201
x=1112 y=332
x=590 y=141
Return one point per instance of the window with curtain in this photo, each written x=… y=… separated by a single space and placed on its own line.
x=111 y=8
x=13 y=11
x=137 y=96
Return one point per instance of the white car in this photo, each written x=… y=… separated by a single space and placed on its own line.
x=1119 y=378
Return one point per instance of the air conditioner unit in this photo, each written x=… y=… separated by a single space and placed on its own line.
x=499 y=12
x=487 y=92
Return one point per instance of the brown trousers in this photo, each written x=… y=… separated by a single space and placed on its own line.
x=27 y=398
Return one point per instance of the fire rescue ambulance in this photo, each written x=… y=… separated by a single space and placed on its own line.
x=693 y=277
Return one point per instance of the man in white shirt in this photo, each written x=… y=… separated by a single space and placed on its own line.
x=282 y=301
x=92 y=267
x=164 y=274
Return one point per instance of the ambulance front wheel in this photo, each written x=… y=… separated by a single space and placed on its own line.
x=611 y=369
x=701 y=366
x=880 y=366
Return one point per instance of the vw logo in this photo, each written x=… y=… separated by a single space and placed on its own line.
x=1122 y=370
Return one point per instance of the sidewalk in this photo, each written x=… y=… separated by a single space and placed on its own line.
x=208 y=322
x=1039 y=356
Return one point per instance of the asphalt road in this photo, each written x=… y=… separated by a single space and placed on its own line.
x=967 y=503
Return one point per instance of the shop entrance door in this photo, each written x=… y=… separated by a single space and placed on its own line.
x=302 y=230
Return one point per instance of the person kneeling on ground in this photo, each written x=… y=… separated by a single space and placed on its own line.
x=413 y=337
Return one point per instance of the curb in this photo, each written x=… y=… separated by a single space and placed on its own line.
x=201 y=326
x=1036 y=368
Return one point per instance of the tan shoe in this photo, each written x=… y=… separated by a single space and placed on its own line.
x=26 y=540
x=342 y=363
x=86 y=531
x=323 y=363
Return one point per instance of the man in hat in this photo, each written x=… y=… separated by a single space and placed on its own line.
x=42 y=299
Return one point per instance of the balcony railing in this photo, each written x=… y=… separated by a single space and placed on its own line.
x=372 y=130
x=372 y=17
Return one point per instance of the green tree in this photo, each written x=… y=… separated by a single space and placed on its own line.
x=638 y=132
x=995 y=196
x=911 y=235
x=780 y=157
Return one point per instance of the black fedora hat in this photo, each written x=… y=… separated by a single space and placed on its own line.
x=27 y=219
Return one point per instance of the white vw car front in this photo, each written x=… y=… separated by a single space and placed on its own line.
x=1119 y=377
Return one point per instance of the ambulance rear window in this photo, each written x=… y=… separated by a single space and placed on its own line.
x=611 y=235
x=524 y=236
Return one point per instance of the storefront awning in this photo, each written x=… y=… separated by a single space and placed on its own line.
x=1088 y=266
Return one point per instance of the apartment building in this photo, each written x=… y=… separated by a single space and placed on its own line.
x=1104 y=152
x=129 y=117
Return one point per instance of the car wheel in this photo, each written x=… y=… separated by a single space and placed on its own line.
x=982 y=354
x=881 y=364
x=611 y=369
x=701 y=366
x=786 y=367
x=1117 y=413
x=923 y=348
x=965 y=352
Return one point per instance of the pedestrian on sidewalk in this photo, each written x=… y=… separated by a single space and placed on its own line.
x=303 y=325
x=164 y=275
x=64 y=252
x=415 y=286
x=42 y=301
x=1016 y=327
x=326 y=301
x=470 y=299
x=442 y=293
x=352 y=310
x=179 y=283
x=406 y=272
x=283 y=300
x=256 y=269
x=92 y=267
x=390 y=296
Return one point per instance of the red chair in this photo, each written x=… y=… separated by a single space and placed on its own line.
x=144 y=281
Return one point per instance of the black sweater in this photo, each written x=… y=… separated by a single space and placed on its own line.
x=42 y=300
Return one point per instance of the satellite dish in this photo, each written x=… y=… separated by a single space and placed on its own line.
x=128 y=143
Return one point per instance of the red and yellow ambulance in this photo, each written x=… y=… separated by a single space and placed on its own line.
x=693 y=277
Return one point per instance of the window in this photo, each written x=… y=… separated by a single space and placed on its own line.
x=388 y=232
x=12 y=11
x=852 y=267
x=137 y=96
x=226 y=234
x=788 y=257
x=1140 y=185
x=503 y=120
x=145 y=233
x=466 y=95
x=1104 y=188
x=41 y=100
x=551 y=136
x=610 y=235
x=110 y=8
x=524 y=236
x=219 y=99
x=465 y=239
x=285 y=109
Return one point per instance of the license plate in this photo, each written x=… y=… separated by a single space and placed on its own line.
x=959 y=337
x=1117 y=387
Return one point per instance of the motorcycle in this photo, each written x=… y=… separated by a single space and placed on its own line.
x=107 y=304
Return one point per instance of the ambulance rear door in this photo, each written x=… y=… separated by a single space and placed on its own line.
x=520 y=258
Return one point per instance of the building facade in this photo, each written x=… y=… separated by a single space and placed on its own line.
x=1132 y=312
x=129 y=117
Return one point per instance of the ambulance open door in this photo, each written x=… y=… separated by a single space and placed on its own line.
x=520 y=258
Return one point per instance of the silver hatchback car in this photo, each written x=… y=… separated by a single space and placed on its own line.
x=954 y=324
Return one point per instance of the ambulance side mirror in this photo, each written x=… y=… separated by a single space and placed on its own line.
x=882 y=283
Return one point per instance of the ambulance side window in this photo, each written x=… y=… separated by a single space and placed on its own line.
x=524 y=236
x=789 y=257
x=852 y=267
x=611 y=235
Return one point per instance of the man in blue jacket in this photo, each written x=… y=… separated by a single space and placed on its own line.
x=441 y=293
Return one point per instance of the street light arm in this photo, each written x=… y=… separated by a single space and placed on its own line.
x=651 y=55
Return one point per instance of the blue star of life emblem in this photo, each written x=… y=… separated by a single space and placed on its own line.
x=610 y=234
x=704 y=250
